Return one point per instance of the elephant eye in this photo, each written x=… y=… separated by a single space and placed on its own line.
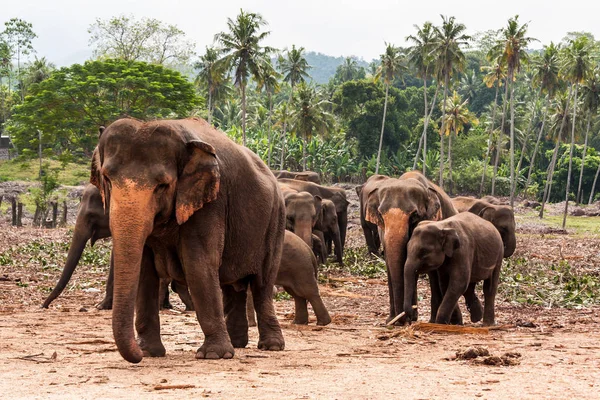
x=161 y=187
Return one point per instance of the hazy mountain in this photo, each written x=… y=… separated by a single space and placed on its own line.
x=324 y=66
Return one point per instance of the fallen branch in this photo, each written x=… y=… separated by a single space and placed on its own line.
x=166 y=387
x=402 y=314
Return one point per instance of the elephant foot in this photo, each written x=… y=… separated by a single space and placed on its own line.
x=300 y=321
x=489 y=322
x=476 y=311
x=105 y=304
x=215 y=349
x=324 y=321
x=166 y=305
x=152 y=349
x=189 y=308
x=239 y=340
x=273 y=343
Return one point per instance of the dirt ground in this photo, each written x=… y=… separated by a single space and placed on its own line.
x=68 y=351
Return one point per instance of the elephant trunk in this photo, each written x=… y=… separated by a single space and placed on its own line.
x=510 y=244
x=395 y=241
x=410 y=288
x=130 y=226
x=81 y=235
x=337 y=242
x=303 y=228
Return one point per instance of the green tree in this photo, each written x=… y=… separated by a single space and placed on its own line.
x=511 y=48
x=147 y=39
x=392 y=66
x=269 y=82
x=348 y=70
x=18 y=35
x=294 y=68
x=73 y=102
x=591 y=102
x=447 y=43
x=455 y=120
x=419 y=56
x=211 y=76
x=310 y=116
x=244 y=52
x=576 y=65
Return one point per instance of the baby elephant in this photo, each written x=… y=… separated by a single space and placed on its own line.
x=464 y=249
x=298 y=276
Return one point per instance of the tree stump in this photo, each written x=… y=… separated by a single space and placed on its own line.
x=54 y=214
x=63 y=222
x=19 y=215
x=14 y=211
x=37 y=217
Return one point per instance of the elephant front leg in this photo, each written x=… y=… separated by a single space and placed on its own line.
x=473 y=303
x=453 y=287
x=106 y=304
x=270 y=336
x=234 y=305
x=147 y=322
x=490 y=288
x=438 y=288
x=201 y=253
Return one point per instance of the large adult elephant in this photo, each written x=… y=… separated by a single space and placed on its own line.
x=308 y=176
x=184 y=190
x=396 y=206
x=335 y=194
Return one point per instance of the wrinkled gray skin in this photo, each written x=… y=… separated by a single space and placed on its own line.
x=463 y=249
x=501 y=216
x=298 y=275
x=308 y=176
x=93 y=224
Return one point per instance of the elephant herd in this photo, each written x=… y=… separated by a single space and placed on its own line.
x=187 y=206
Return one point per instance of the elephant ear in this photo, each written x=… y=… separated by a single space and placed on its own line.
x=434 y=212
x=359 y=190
x=199 y=182
x=318 y=200
x=299 y=177
x=487 y=213
x=450 y=241
x=478 y=207
x=372 y=208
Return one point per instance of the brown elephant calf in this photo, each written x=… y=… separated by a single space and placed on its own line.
x=464 y=249
x=298 y=276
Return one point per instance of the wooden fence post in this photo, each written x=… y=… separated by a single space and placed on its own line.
x=19 y=214
x=64 y=214
x=14 y=211
x=54 y=214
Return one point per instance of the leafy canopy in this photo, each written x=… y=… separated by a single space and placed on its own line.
x=73 y=102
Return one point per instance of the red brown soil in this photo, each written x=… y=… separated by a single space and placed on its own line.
x=68 y=351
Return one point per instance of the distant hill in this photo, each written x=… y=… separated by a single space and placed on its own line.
x=324 y=66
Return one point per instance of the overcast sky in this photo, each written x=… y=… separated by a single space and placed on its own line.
x=351 y=27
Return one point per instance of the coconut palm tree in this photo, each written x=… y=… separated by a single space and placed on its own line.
x=545 y=74
x=269 y=82
x=294 y=68
x=419 y=56
x=446 y=48
x=392 y=66
x=591 y=101
x=511 y=47
x=455 y=120
x=309 y=116
x=494 y=76
x=243 y=51
x=211 y=75
x=576 y=66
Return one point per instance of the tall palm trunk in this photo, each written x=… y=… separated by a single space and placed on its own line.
x=499 y=141
x=526 y=138
x=209 y=106
x=579 y=197
x=269 y=133
x=244 y=114
x=424 y=118
x=537 y=144
x=594 y=186
x=304 y=144
x=441 y=179
x=283 y=131
x=450 y=180
x=512 y=139
x=387 y=86
x=548 y=187
x=423 y=139
x=564 y=223
x=490 y=138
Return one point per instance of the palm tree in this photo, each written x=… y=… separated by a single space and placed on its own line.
x=419 y=56
x=511 y=48
x=348 y=70
x=468 y=85
x=446 y=48
x=591 y=101
x=269 y=82
x=576 y=66
x=294 y=68
x=241 y=45
x=545 y=74
x=310 y=116
x=392 y=66
x=495 y=75
x=211 y=75
x=39 y=70
x=454 y=121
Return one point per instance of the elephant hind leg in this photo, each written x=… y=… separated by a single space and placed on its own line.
x=234 y=305
x=184 y=294
x=473 y=304
x=301 y=309
x=270 y=336
x=320 y=310
x=490 y=288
